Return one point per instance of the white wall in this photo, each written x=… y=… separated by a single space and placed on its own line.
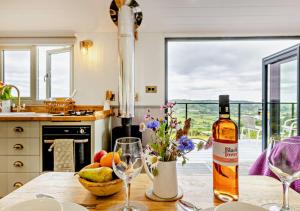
x=98 y=71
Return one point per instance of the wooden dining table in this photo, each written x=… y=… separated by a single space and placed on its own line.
x=197 y=189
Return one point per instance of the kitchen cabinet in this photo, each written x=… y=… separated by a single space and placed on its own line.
x=19 y=154
x=21 y=148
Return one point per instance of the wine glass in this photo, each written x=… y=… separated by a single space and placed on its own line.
x=283 y=160
x=130 y=164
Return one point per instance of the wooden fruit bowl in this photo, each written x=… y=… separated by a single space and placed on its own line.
x=102 y=189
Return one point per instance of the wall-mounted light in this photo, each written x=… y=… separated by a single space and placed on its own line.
x=85 y=45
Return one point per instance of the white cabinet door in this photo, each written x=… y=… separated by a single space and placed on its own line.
x=3 y=184
x=19 y=146
x=19 y=164
x=23 y=129
x=3 y=129
x=14 y=181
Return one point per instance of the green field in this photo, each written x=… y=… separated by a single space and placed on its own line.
x=204 y=113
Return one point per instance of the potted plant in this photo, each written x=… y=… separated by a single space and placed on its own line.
x=5 y=97
x=169 y=141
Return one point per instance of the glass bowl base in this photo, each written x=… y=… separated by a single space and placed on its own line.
x=133 y=206
x=276 y=207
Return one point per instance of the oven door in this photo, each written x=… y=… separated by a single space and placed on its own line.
x=82 y=148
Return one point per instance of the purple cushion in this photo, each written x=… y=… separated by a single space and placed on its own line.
x=260 y=166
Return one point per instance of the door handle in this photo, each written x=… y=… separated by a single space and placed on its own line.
x=19 y=129
x=46 y=77
x=18 y=184
x=18 y=164
x=18 y=146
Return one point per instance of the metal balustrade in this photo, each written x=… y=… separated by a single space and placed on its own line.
x=203 y=114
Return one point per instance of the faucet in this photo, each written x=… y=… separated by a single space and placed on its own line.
x=19 y=107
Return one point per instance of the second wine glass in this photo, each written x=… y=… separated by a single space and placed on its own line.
x=283 y=160
x=130 y=164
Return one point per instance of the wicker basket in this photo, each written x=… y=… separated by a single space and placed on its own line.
x=102 y=189
x=59 y=105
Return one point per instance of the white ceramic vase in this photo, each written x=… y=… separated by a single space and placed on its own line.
x=165 y=184
x=6 y=106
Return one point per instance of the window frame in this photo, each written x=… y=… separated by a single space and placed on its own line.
x=32 y=51
x=34 y=69
x=48 y=70
x=167 y=40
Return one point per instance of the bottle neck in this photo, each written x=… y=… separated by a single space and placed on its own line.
x=224 y=116
x=224 y=112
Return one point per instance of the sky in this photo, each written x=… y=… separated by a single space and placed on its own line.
x=202 y=70
x=17 y=71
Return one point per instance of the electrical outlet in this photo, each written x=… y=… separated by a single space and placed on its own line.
x=151 y=89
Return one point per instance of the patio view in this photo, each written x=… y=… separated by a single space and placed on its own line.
x=150 y=105
x=208 y=60
x=248 y=117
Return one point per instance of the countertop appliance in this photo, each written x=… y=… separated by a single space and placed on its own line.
x=76 y=113
x=81 y=134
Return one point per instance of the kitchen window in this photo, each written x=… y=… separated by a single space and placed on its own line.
x=16 y=64
x=40 y=72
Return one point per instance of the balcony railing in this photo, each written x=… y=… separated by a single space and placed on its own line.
x=247 y=115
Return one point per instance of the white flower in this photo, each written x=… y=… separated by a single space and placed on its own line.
x=151 y=160
x=154 y=162
x=142 y=127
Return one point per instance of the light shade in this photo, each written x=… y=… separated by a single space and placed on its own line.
x=85 y=45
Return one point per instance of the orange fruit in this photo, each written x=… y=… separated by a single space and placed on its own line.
x=107 y=159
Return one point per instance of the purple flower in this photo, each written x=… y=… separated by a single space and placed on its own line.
x=170 y=105
x=209 y=143
x=153 y=124
x=185 y=145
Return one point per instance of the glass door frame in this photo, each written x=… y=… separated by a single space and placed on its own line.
x=284 y=55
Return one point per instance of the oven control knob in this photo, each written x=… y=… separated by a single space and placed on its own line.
x=82 y=131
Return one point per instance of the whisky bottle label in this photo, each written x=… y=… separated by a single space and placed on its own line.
x=225 y=154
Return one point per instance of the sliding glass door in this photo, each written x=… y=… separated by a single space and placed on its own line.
x=281 y=94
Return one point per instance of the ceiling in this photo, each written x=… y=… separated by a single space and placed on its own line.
x=273 y=17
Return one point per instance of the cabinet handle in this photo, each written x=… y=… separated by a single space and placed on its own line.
x=18 y=146
x=18 y=184
x=18 y=164
x=19 y=129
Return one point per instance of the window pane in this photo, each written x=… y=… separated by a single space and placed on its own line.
x=42 y=68
x=60 y=74
x=17 y=70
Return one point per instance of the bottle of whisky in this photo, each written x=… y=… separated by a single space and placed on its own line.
x=225 y=154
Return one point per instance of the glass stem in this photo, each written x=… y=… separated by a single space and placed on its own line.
x=285 y=204
x=127 y=189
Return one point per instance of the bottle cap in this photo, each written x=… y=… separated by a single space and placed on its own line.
x=224 y=104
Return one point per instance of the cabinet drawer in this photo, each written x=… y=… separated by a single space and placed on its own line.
x=19 y=146
x=23 y=129
x=14 y=181
x=3 y=184
x=3 y=129
x=19 y=164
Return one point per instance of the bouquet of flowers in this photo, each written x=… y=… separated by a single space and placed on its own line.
x=169 y=138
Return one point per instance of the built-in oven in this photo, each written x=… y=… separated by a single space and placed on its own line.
x=80 y=134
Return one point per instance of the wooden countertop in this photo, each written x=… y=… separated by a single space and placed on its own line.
x=14 y=116
x=197 y=189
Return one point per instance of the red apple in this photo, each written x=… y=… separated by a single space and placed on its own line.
x=99 y=155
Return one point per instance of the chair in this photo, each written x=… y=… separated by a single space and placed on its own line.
x=249 y=123
x=289 y=127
